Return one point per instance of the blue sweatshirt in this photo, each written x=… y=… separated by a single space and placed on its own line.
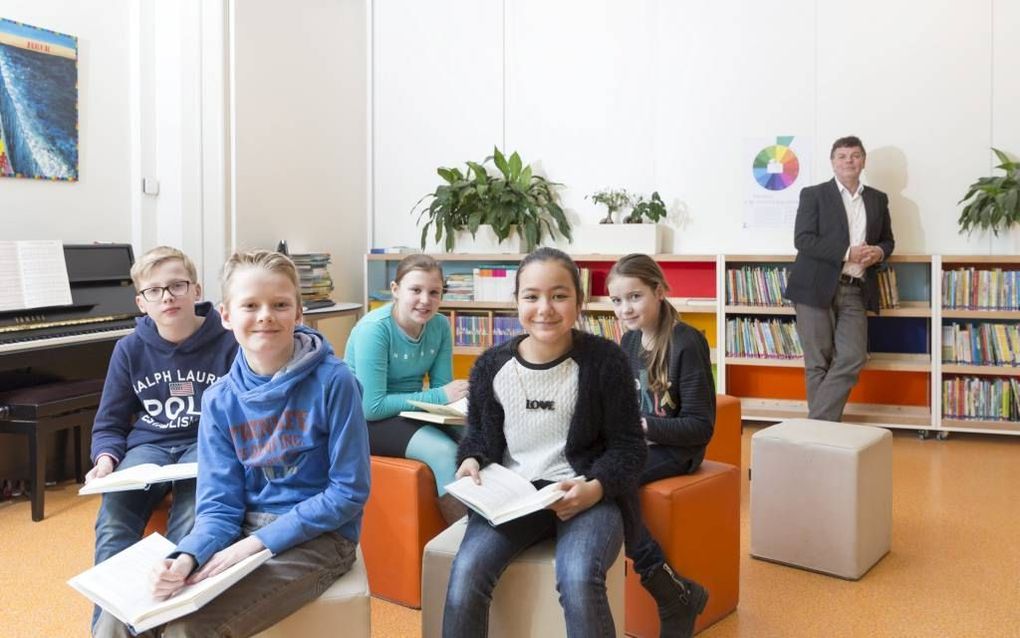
x=294 y=444
x=154 y=387
x=392 y=366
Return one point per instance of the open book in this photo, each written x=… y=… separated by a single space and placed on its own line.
x=139 y=477
x=120 y=584
x=449 y=414
x=503 y=495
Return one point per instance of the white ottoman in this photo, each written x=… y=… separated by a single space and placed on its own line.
x=343 y=609
x=821 y=496
x=525 y=601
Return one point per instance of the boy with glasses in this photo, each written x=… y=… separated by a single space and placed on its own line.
x=150 y=409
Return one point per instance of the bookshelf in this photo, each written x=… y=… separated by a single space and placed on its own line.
x=901 y=385
x=894 y=389
x=979 y=342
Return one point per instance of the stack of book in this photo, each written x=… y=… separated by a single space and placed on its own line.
x=766 y=339
x=983 y=344
x=505 y=328
x=494 y=284
x=888 y=292
x=974 y=289
x=996 y=399
x=460 y=287
x=603 y=325
x=471 y=330
x=316 y=284
x=756 y=286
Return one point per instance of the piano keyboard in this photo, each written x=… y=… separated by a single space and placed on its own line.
x=54 y=337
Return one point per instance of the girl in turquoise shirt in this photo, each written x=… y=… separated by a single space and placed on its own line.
x=391 y=351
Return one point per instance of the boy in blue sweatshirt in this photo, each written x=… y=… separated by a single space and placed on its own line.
x=283 y=464
x=149 y=412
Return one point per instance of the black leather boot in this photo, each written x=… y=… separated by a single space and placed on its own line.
x=679 y=601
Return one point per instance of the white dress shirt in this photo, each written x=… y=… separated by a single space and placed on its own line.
x=857 y=220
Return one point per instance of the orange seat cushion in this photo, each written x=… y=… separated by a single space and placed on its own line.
x=401 y=516
x=696 y=520
x=726 y=441
x=159 y=519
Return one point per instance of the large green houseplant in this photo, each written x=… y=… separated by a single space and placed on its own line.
x=513 y=199
x=993 y=203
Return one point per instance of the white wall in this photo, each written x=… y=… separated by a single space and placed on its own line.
x=97 y=207
x=661 y=95
x=300 y=131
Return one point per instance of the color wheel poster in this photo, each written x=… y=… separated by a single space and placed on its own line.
x=38 y=103
x=774 y=169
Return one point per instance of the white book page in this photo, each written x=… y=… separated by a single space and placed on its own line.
x=457 y=408
x=44 y=274
x=11 y=297
x=139 y=477
x=500 y=489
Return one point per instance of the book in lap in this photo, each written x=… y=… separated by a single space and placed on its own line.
x=503 y=495
x=120 y=584
x=139 y=477
x=449 y=414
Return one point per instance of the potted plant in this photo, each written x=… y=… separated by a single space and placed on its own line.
x=512 y=205
x=613 y=200
x=633 y=236
x=994 y=202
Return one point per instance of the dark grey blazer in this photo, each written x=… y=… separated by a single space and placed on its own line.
x=821 y=235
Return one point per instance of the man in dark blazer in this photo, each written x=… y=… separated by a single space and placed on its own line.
x=842 y=232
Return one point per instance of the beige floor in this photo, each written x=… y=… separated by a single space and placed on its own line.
x=954 y=569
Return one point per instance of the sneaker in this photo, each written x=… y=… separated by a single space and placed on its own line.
x=679 y=601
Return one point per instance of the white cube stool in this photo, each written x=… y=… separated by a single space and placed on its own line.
x=821 y=496
x=343 y=609
x=525 y=601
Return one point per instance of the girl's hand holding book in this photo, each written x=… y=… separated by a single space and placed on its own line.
x=455 y=390
x=470 y=468
x=580 y=495
x=170 y=575
x=226 y=558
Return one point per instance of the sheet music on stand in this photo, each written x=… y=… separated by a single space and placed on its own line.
x=33 y=275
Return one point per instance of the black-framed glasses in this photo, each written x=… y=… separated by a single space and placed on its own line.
x=175 y=288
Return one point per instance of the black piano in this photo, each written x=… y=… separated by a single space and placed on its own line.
x=66 y=343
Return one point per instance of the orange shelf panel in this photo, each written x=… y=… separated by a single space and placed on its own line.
x=874 y=386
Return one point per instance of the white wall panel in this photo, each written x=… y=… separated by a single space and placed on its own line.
x=437 y=101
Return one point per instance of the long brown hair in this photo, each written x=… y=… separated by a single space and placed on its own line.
x=417 y=262
x=642 y=267
x=548 y=253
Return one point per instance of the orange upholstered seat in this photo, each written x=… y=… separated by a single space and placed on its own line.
x=696 y=520
x=726 y=441
x=401 y=516
x=160 y=517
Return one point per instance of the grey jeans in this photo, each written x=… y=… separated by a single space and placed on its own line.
x=835 y=343
x=269 y=594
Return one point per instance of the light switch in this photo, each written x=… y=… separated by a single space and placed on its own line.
x=150 y=186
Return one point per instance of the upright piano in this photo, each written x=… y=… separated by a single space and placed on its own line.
x=67 y=343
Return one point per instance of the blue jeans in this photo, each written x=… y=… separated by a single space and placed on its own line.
x=663 y=461
x=123 y=515
x=586 y=546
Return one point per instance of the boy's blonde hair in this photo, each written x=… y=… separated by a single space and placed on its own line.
x=267 y=260
x=156 y=257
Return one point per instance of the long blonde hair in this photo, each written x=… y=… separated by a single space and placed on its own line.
x=642 y=267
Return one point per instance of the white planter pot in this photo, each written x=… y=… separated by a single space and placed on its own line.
x=483 y=242
x=621 y=239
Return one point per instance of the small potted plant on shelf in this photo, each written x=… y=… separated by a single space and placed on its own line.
x=993 y=203
x=633 y=236
x=613 y=199
x=478 y=211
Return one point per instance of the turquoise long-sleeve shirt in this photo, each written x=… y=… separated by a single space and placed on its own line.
x=391 y=366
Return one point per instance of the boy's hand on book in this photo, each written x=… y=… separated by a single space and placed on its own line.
x=170 y=575
x=455 y=390
x=580 y=495
x=470 y=468
x=228 y=557
x=103 y=466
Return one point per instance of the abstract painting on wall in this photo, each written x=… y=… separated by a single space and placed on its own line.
x=38 y=103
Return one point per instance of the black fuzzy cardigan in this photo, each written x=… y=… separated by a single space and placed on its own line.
x=605 y=440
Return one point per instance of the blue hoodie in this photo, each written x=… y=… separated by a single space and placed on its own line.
x=294 y=444
x=154 y=387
